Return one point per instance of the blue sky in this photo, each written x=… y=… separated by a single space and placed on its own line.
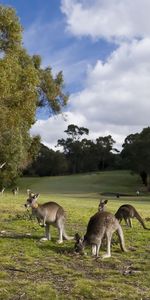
x=45 y=33
x=103 y=49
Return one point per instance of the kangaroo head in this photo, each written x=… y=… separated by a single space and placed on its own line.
x=102 y=204
x=79 y=245
x=31 y=200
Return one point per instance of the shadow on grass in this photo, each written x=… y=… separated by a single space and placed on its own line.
x=11 y=235
x=65 y=248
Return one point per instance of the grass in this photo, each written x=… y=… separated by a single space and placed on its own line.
x=30 y=269
x=84 y=183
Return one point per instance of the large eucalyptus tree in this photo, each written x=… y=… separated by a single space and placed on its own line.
x=24 y=86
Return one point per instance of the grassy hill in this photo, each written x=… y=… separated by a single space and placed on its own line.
x=31 y=269
x=111 y=181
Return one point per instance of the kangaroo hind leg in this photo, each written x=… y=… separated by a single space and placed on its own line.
x=130 y=222
x=108 y=239
x=47 y=233
x=93 y=250
x=60 y=226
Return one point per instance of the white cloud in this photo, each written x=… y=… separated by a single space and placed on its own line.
x=53 y=129
x=116 y=99
x=117 y=92
x=109 y=19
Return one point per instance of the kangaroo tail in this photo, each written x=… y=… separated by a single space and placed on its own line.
x=139 y=218
x=67 y=237
x=121 y=238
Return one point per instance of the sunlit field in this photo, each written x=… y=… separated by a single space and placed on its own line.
x=31 y=269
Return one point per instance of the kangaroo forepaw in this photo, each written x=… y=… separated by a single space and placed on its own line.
x=106 y=256
x=60 y=241
x=125 y=250
x=43 y=239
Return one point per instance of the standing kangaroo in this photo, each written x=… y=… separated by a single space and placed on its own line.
x=101 y=224
x=49 y=213
x=15 y=190
x=127 y=212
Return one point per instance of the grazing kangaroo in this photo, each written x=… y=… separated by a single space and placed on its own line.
x=126 y=212
x=50 y=213
x=101 y=224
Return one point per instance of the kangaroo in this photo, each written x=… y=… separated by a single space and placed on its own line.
x=15 y=190
x=102 y=204
x=29 y=192
x=127 y=212
x=101 y=224
x=50 y=213
x=2 y=191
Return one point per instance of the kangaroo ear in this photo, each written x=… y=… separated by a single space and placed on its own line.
x=37 y=195
x=77 y=237
x=31 y=194
x=103 y=201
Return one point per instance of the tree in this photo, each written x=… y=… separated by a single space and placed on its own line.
x=104 y=150
x=47 y=163
x=24 y=86
x=89 y=156
x=76 y=132
x=84 y=155
x=136 y=154
x=73 y=146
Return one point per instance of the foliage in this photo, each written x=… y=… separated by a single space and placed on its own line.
x=10 y=29
x=136 y=153
x=50 y=90
x=24 y=86
x=84 y=155
x=104 y=147
x=76 y=132
x=47 y=163
x=73 y=146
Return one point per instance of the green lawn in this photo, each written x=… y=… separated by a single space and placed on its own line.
x=30 y=269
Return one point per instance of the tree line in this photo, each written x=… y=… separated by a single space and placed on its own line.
x=77 y=155
x=80 y=154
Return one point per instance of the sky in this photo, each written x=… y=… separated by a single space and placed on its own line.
x=103 y=49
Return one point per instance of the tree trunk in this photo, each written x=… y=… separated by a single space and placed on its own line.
x=143 y=175
x=148 y=182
